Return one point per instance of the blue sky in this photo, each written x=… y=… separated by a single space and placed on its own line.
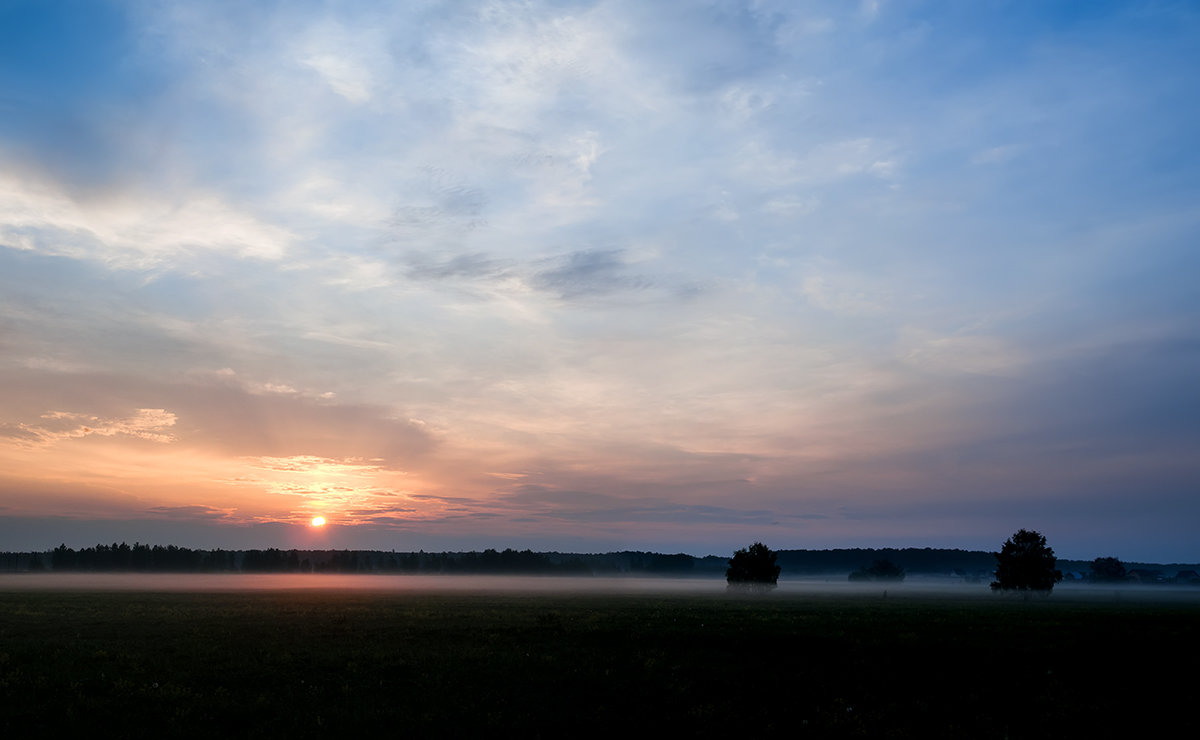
x=600 y=275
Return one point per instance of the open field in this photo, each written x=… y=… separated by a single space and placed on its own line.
x=325 y=663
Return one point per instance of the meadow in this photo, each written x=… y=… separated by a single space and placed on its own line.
x=329 y=663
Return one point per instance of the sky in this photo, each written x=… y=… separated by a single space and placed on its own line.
x=593 y=276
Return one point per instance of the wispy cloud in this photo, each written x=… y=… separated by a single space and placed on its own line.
x=129 y=229
x=149 y=424
x=191 y=513
x=586 y=273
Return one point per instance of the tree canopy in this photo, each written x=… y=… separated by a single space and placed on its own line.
x=1025 y=563
x=753 y=565
x=1108 y=569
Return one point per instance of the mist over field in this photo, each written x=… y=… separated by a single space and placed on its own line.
x=819 y=588
x=277 y=656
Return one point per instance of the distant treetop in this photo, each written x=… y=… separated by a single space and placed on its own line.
x=1025 y=563
x=1108 y=569
x=753 y=565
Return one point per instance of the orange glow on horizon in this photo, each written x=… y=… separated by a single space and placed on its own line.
x=318 y=521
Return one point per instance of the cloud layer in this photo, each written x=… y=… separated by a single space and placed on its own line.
x=603 y=274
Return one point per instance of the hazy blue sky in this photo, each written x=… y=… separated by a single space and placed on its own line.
x=601 y=275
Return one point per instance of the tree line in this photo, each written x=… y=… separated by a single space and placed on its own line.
x=140 y=557
x=1025 y=564
x=865 y=564
x=144 y=558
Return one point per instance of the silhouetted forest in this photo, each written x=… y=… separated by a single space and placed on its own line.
x=838 y=563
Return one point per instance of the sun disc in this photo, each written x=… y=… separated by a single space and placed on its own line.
x=318 y=521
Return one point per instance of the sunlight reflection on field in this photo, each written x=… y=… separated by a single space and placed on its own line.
x=929 y=587
x=353 y=582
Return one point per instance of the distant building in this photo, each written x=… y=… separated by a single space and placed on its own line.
x=1145 y=575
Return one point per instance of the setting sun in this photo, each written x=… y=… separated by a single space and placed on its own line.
x=318 y=521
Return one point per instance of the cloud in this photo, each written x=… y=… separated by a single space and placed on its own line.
x=824 y=293
x=345 y=61
x=283 y=425
x=464 y=266
x=995 y=155
x=549 y=504
x=864 y=156
x=588 y=272
x=578 y=275
x=312 y=463
x=191 y=513
x=129 y=229
x=450 y=205
x=224 y=417
x=960 y=353
x=650 y=513
x=791 y=205
x=147 y=424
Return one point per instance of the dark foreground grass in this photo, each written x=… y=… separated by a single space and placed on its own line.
x=329 y=664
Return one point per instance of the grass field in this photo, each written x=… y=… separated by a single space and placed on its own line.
x=329 y=664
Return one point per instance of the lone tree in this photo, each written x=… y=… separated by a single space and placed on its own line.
x=753 y=566
x=1025 y=563
x=1108 y=569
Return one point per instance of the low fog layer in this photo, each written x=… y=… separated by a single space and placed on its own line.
x=550 y=585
